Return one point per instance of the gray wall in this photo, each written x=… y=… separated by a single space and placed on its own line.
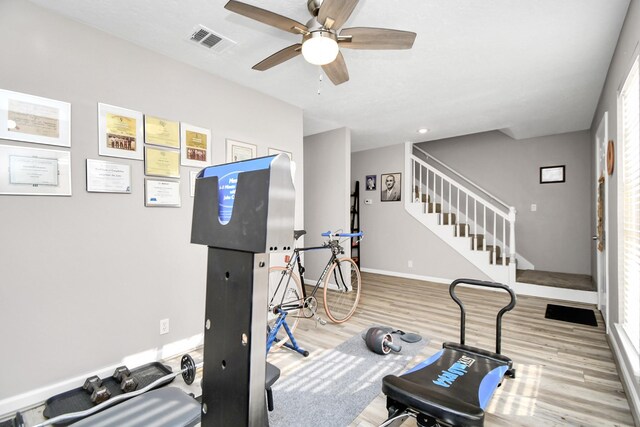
x=556 y=237
x=392 y=237
x=84 y=280
x=326 y=174
x=626 y=51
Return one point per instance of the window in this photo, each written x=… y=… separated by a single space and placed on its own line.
x=629 y=183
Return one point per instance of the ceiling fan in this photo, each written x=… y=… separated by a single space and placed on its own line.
x=322 y=37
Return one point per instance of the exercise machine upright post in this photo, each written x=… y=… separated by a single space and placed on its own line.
x=242 y=211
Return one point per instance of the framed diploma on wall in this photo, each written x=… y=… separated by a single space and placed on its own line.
x=161 y=193
x=34 y=171
x=108 y=177
x=195 y=145
x=161 y=132
x=34 y=119
x=120 y=132
x=238 y=151
x=159 y=162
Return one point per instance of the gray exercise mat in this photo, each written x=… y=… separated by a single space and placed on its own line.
x=333 y=389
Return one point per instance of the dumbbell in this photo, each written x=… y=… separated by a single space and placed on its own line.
x=123 y=376
x=99 y=393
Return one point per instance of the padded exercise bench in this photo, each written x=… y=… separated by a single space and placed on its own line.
x=164 y=407
x=454 y=385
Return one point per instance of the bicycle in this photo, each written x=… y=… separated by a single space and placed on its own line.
x=287 y=297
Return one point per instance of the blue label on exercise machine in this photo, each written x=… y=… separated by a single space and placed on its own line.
x=228 y=181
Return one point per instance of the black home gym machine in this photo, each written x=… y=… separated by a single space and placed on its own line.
x=454 y=386
x=243 y=212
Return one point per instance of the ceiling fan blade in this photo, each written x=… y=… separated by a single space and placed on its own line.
x=279 y=57
x=338 y=11
x=266 y=17
x=376 y=38
x=337 y=70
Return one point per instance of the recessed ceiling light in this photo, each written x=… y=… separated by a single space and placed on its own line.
x=423 y=130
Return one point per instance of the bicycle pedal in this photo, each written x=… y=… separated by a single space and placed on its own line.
x=321 y=320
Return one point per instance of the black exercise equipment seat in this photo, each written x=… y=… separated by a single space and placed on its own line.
x=454 y=385
x=298 y=233
x=164 y=407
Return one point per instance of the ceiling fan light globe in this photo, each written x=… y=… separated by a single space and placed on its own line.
x=320 y=48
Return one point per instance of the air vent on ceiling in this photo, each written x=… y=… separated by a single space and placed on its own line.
x=210 y=40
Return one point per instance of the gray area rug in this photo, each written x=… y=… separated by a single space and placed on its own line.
x=332 y=390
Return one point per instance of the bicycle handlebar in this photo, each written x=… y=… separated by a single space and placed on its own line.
x=330 y=234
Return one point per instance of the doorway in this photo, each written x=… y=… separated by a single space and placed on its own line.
x=602 y=217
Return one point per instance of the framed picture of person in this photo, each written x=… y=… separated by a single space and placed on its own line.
x=370 y=182
x=391 y=184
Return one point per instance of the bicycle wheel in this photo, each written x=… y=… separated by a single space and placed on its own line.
x=285 y=291
x=342 y=290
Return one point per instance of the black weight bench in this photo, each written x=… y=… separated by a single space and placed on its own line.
x=453 y=386
x=164 y=407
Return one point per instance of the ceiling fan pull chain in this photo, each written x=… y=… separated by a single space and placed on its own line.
x=319 y=83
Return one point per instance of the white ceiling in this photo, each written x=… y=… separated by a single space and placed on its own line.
x=525 y=67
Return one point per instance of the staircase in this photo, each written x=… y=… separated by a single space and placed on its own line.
x=471 y=220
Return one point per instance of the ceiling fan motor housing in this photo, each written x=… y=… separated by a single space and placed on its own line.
x=314 y=6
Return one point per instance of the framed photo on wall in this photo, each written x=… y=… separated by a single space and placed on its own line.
x=238 y=151
x=120 y=132
x=552 y=174
x=195 y=145
x=370 y=182
x=34 y=119
x=390 y=187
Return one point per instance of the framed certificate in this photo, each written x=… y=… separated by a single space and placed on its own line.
x=195 y=145
x=551 y=174
x=192 y=182
x=238 y=151
x=161 y=132
x=108 y=177
x=34 y=171
x=35 y=119
x=159 y=162
x=119 y=132
x=161 y=193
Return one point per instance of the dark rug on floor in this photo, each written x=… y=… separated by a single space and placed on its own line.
x=582 y=316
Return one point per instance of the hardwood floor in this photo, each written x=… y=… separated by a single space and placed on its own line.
x=565 y=372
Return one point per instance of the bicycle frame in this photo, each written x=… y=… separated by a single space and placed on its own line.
x=335 y=248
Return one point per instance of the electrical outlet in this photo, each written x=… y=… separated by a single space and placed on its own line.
x=534 y=207
x=410 y=264
x=164 y=326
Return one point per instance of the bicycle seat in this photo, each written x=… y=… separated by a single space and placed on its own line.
x=298 y=233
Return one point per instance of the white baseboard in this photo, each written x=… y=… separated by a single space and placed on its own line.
x=518 y=288
x=38 y=396
x=626 y=377
x=407 y=275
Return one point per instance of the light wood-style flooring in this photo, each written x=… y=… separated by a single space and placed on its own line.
x=566 y=374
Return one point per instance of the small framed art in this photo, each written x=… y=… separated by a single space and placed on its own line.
x=552 y=174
